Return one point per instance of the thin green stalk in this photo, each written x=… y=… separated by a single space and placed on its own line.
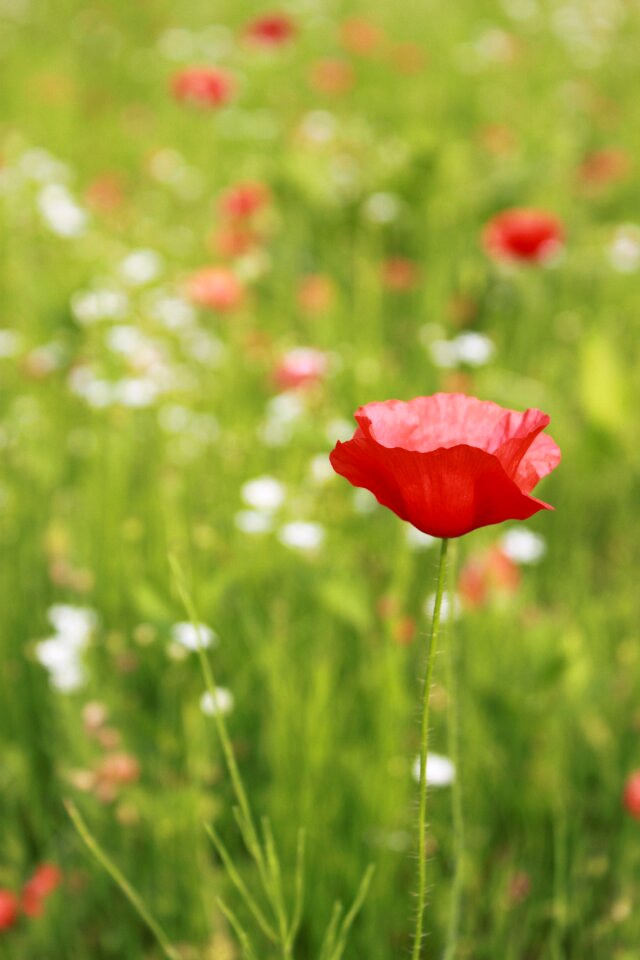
x=240 y=885
x=560 y=886
x=250 y=830
x=328 y=943
x=424 y=749
x=356 y=906
x=299 y=887
x=275 y=873
x=267 y=864
x=114 y=872
x=240 y=932
x=211 y=686
x=459 y=839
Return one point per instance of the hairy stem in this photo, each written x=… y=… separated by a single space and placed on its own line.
x=459 y=852
x=424 y=748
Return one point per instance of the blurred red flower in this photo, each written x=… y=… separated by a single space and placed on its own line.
x=119 y=768
x=400 y=274
x=631 y=795
x=485 y=575
x=301 y=367
x=217 y=288
x=271 y=30
x=208 y=86
x=449 y=463
x=520 y=234
x=9 y=909
x=45 y=880
x=243 y=200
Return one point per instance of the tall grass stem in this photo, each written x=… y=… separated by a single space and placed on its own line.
x=424 y=749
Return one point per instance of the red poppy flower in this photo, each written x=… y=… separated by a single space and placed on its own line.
x=243 y=200
x=525 y=235
x=271 y=30
x=301 y=367
x=400 y=273
x=487 y=575
x=449 y=463
x=45 y=880
x=631 y=796
x=9 y=909
x=217 y=288
x=208 y=86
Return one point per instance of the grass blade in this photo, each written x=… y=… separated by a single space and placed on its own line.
x=240 y=885
x=121 y=881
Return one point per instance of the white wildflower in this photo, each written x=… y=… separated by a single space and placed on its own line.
x=523 y=546
x=193 y=637
x=264 y=493
x=222 y=703
x=302 y=535
x=440 y=770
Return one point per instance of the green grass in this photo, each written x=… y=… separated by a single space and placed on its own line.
x=94 y=501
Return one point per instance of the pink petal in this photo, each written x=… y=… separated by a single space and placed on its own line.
x=427 y=423
x=513 y=436
x=541 y=458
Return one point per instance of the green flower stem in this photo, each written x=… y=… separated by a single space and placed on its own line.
x=424 y=748
x=212 y=689
x=459 y=852
x=119 y=878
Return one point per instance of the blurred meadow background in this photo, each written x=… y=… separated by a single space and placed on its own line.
x=333 y=181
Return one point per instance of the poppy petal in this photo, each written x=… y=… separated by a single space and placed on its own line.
x=445 y=492
x=427 y=423
x=541 y=458
x=514 y=435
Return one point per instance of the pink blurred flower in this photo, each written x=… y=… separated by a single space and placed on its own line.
x=301 y=367
x=207 y=86
x=631 y=795
x=119 y=768
x=216 y=288
x=485 y=575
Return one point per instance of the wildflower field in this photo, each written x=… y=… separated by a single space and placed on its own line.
x=225 y=228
